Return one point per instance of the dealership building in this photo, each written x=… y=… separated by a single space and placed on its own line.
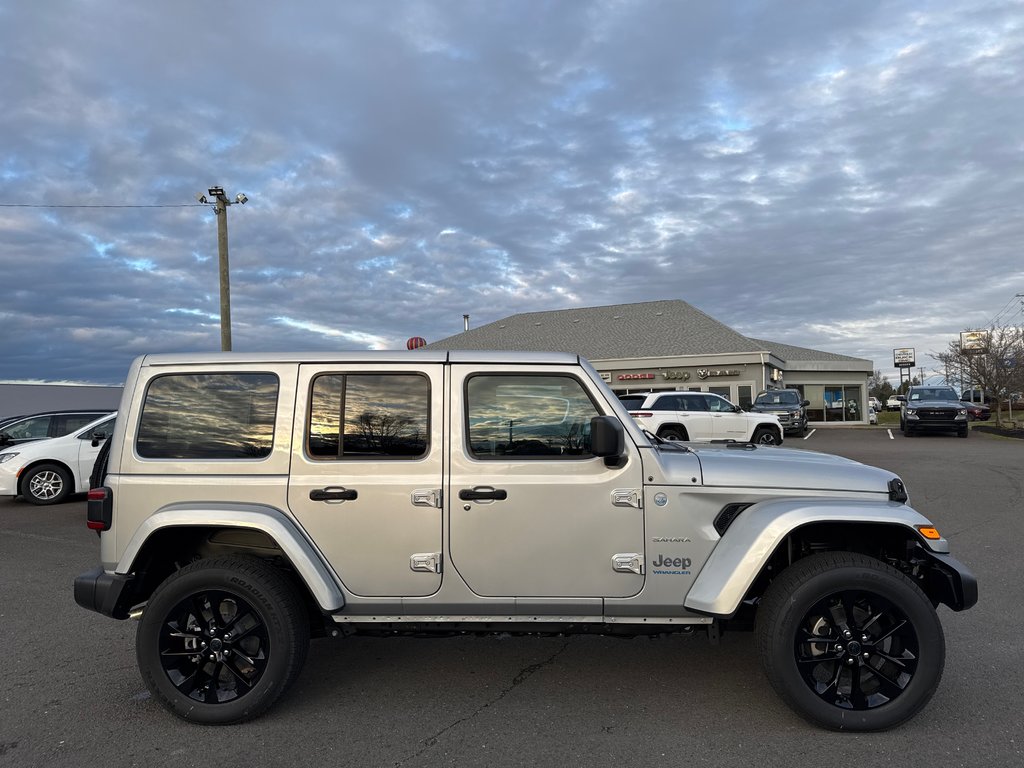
x=659 y=345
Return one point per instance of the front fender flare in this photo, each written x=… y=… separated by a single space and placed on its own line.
x=303 y=556
x=752 y=538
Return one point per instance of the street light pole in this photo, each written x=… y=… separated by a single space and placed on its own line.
x=220 y=208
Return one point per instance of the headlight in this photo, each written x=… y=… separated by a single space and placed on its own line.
x=963 y=412
x=7 y=457
x=911 y=411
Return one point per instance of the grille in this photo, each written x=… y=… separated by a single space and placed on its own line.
x=936 y=414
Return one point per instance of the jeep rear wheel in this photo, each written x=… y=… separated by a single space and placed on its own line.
x=222 y=639
x=849 y=642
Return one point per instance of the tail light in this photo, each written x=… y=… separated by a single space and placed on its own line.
x=100 y=509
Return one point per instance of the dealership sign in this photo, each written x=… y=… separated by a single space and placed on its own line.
x=974 y=342
x=903 y=357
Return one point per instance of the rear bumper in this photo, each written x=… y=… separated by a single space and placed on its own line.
x=102 y=591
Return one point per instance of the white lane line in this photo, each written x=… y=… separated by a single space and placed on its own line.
x=810 y=433
x=890 y=434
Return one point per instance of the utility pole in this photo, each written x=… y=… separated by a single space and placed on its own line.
x=220 y=208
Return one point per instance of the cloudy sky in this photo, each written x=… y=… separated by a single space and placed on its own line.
x=846 y=176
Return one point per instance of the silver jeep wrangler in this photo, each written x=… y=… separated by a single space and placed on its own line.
x=247 y=502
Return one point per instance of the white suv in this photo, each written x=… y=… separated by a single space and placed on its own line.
x=703 y=417
x=48 y=471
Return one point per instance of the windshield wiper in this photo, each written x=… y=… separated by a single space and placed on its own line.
x=662 y=442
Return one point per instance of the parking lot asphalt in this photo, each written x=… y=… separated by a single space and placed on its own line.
x=71 y=695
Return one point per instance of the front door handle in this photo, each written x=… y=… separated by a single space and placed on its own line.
x=333 y=494
x=483 y=494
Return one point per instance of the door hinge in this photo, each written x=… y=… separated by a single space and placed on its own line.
x=427 y=562
x=427 y=497
x=627 y=497
x=628 y=562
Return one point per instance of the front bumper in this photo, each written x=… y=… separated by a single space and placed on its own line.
x=104 y=592
x=949 y=581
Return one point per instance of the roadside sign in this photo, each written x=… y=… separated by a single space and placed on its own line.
x=903 y=357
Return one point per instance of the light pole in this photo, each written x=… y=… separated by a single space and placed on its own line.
x=220 y=208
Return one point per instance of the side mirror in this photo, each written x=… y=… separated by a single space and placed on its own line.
x=607 y=438
x=97 y=438
x=804 y=403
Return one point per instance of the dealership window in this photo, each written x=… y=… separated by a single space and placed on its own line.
x=746 y=398
x=835 y=403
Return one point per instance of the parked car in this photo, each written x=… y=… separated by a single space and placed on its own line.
x=458 y=492
x=978 y=396
x=874 y=402
x=933 y=409
x=894 y=402
x=977 y=411
x=872 y=415
x=788 y=404
x=39 y=426
x=48 y=471
x=703 y=417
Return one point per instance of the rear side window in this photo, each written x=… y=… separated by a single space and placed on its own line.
x=358 y=415
x=208 y=416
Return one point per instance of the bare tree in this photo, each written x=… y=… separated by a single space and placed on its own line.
x=997 y=370
x=382 y=430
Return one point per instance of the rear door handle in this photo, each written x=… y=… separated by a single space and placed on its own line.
x=483 y=494
x=334 y=493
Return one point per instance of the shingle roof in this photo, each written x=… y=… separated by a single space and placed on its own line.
x=669 y=328
x=789 y=352
x=647 y=329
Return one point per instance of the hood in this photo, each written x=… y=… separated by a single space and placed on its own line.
x=774 y=467
x=778 y=408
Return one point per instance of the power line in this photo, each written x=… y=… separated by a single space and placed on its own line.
x=40 y=205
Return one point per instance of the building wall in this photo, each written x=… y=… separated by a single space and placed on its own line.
x=18 y=399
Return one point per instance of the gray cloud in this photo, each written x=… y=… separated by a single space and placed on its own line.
x=845 y=176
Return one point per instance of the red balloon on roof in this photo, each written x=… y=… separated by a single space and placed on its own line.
x=416 y=342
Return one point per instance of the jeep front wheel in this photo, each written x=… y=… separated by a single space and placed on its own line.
x=765 y=436
x=222 y=639
x=849 y=642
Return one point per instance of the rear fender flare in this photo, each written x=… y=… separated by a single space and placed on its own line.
x=300 y=552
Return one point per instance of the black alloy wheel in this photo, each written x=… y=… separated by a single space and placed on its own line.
x=222 y=639
x=850 y=642
x=765 y=436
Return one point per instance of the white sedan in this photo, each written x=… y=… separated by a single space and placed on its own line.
x=48 y=471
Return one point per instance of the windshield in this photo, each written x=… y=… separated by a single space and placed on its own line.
x=778 y=398
x=933 y=393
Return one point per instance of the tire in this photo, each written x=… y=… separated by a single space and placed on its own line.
x=964 y=432
x=231 y=677
x=673 y=433
x=829 y=681
x=47 y=484
x=765 y=436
